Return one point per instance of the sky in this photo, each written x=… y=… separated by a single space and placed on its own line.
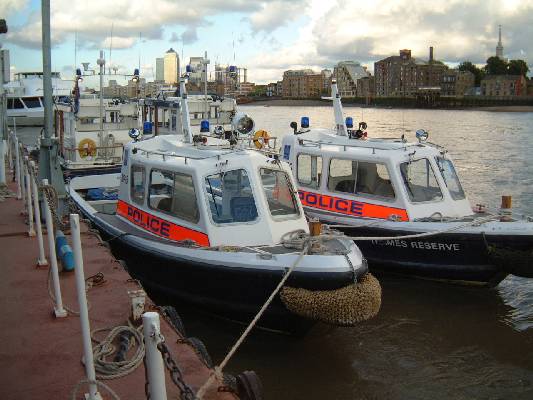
x=268 y=37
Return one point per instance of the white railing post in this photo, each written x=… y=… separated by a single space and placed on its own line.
x=154 y=360
x=21 y=174
x=41 y=261
x=10 y=149
x=84 y=312
x=59 y=311
x=17 y=169
x=3 y=152
x=31 y=230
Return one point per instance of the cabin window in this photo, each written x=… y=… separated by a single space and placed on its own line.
x=230 y=197
x=451 y=179
x=360 y=177
x=32 y=102
x=15 y=104
x=420 y=181
x=309 y=170
x=137 y=184
x=279 y=193
x=173 y=193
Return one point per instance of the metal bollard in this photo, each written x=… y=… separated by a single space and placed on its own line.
x=84 y=312
x=41 y=261
x=59 y=311
x=31 y=230
x=22 y=185
x=3 y=153
x=154 y=360
x=17 y=169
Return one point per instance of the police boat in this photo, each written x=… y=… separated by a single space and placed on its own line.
x=403 y=204
x=217 y=225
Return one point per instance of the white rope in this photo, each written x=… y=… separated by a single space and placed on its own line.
x=116 y=369
x=417 y=235
x=218 y=369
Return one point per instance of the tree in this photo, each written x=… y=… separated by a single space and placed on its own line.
x=517 y=67
x=496 y=66
x=479 y=74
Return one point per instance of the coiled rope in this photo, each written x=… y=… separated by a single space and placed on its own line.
x=217 y=372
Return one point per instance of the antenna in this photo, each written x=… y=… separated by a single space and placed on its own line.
x=111 y=45
x=139 y=51
x=75 y=50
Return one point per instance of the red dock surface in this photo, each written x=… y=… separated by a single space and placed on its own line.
x=40 y=356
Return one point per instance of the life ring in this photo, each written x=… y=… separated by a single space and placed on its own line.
x=86 y=148
x=261 y=138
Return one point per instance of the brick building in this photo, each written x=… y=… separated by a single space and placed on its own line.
x=302 y=84
x=504 y=85
x=456 y=83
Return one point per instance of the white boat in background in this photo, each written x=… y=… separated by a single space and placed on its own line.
x=88 y=146
x=25 y=97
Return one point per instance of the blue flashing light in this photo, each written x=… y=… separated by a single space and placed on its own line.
x=204 y=126
x=136 y=72
x=188 y=68
x=78 y=71
x=349 y=122
x=305 y=122
x=232 y=68
x=147 y=127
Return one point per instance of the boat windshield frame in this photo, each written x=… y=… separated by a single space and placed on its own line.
x=450 y=178
x=290 y=189
x=411 y=196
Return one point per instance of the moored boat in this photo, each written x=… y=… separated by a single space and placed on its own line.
x=408 y=198
x=217 y=225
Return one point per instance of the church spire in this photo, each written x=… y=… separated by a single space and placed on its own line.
x=499 y=47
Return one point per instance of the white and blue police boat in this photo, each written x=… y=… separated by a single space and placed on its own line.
x=217 y=225
x=408 y=193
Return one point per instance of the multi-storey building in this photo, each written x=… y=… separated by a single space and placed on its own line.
x=396 y=75
x=171 y=67
x=456 y=83
x=160 y=69
x=302 y=84
x=366 y=87
x=504 y=85
x=326 y=78
x=347 y=73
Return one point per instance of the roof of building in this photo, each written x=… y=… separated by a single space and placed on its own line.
x=354 y=69
x=171 y=50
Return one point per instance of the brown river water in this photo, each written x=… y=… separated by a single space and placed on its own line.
x=430 y=340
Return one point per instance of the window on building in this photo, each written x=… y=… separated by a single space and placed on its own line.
x=420 y=181
x=360 y=177
x=279 y=192
x=309 y=170
x=137 y=180
x=230 y=197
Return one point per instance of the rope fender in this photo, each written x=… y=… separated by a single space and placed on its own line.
x=341 y=307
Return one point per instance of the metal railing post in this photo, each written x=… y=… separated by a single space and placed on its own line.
x=17 y=168
x=84 y=312
x=31 y=230
x=10 y=149
x=41 y=261
x=154 y=360
x=3 y=152
x=59 y=311
x=21 y=174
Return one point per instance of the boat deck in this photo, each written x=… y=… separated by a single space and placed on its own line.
x=41 y=356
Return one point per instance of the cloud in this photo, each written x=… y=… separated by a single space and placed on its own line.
x=276 y=13
x=9 y=7
x=93 y=20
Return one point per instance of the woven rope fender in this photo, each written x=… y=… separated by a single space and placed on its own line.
x=342 y=307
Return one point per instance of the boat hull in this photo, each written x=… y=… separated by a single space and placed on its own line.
x=455 y=257
x=233 y=293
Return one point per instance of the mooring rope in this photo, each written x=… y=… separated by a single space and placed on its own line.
x=217 y=372
x=476 y=222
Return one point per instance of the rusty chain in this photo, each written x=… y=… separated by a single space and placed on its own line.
x=174 y=372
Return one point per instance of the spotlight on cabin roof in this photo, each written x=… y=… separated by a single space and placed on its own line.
x=422 y=135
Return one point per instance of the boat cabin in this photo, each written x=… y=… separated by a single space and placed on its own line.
x=209 y=193
x=374 y=178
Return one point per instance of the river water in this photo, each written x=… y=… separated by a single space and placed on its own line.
x=430 y=340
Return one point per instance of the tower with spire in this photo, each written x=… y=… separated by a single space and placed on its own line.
x=499 y=47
